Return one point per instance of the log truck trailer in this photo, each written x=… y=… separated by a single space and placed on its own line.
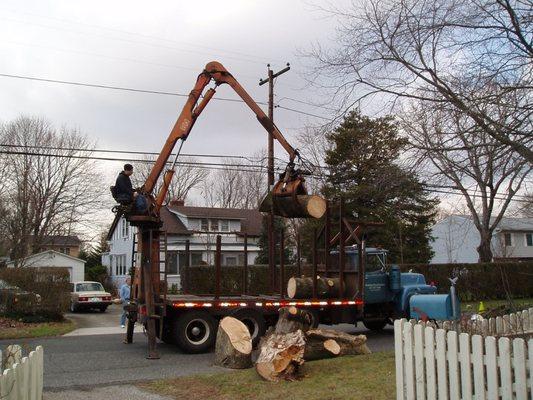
x=190 y=320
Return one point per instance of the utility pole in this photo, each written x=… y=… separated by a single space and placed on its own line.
x=270 y=168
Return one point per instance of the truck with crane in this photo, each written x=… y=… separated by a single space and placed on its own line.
x=189 y=320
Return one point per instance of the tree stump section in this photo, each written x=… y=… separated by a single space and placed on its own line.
x=233 y=347
x=327 y=343
x=282 y=350
x=305 y=206
x=302 y=288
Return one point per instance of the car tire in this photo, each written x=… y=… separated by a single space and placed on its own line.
x=103 y=309
x=254 y=321
x=375 y=325
x=195 y=331
x=73 y=307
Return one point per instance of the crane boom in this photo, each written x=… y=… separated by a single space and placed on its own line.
x=214 y=71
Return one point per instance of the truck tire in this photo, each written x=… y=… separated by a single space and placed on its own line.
x=315 y=315
x=375 y=325
x=195 y=331
x=254 y=321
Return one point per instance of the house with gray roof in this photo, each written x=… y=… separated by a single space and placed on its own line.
x=456 y=239
x=197 y=225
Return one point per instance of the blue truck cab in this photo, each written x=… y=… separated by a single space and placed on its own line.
x=390 y=293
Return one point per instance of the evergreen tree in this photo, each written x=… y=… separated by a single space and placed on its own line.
x=279 y=225
x=364 y=169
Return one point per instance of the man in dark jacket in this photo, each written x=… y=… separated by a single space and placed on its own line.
x=123 y=188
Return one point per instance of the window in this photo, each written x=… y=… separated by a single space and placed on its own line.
x=172 y=263
x=89 y=287
x=231 y=260
x=224 y=225
x=529 y=239
x=204 y=225
x=196 y=258
x=214 y=225
x=507 y=239
x=125 y=228
x=65 y=250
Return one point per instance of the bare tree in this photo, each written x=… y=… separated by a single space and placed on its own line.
x=240 y=184
x=464 y=157
x=188 y=176
x=50 y=184
x=438 y=51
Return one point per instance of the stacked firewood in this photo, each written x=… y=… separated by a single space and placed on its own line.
x=285 y=347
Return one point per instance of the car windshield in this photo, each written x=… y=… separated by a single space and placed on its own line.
x=5 y=285
x=89 y=287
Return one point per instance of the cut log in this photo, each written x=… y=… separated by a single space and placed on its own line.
x=302 y=288
x=281 y=355
x=282 y=349
x=305 y=206
x=292 y=319
x=326 y=343
x=233 y=345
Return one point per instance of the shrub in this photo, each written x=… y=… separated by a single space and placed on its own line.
x=482 y=281
x=201 y=279
x=52 y=284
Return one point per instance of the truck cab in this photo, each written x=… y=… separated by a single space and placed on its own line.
x=387 y=291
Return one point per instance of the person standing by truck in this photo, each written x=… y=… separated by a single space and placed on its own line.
x=124 y=299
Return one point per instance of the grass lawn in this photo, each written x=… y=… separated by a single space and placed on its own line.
x=519 y=304
x=357 y=377
x=22 y=330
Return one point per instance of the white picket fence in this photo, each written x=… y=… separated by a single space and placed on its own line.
x=22 y=377
x=444 y=364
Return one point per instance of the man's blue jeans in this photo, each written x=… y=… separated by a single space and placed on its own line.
x=124 y=315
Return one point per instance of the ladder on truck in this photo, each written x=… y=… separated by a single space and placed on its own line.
x=160 y=304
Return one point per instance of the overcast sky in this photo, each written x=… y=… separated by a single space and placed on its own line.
x=156 y=46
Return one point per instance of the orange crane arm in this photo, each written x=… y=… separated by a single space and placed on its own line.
x=190 y=112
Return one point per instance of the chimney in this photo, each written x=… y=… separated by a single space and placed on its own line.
x=176 y=203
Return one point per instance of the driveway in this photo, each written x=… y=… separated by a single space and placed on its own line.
x=87 y=358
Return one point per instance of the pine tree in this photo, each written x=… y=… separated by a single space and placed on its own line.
x=364 y=165
x=262 y=256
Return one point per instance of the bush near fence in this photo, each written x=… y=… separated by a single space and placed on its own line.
x=201 y=279
x=52 y=284
x=481 y=281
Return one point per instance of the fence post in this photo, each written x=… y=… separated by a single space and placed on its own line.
x=442 y=378
x=429 y=353
x=408 y=366
x=479 y=366
x=419 y=362
x=504 y=350
x=398 y=358
x=492 y=368
x=466 y=367
x=519 y=366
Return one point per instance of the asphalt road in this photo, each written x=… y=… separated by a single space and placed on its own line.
x=95 y=360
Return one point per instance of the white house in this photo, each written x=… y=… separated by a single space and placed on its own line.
x=52 y=258
x=199 y=226
x=456 y=240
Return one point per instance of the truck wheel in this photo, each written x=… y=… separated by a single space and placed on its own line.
x=195 y=331
x=375 y=325
x=315 y=317
x=254 y=321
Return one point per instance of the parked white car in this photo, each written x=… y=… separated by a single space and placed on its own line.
x=86 y=295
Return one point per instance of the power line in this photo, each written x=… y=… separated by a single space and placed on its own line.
x=218 y=166
x=136 y=90
x=96 y=150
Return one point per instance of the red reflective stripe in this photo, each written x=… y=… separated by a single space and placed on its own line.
x=312 y=303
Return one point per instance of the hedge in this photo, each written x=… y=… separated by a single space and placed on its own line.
x=483 y=281
x=52 y=284
x=476 y=282
x=201 y=279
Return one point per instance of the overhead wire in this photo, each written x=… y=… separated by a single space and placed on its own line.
x=226 y=167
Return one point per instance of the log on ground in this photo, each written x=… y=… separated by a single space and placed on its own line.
x=326 y=343
x=233 y=347
x=281 y=356
x=302 y=288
